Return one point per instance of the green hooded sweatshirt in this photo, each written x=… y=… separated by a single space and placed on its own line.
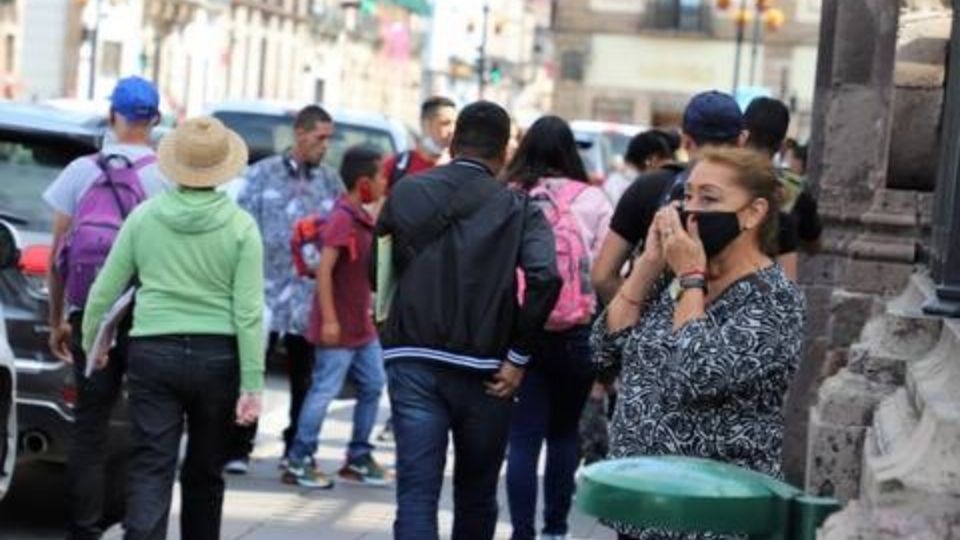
x=199 y=260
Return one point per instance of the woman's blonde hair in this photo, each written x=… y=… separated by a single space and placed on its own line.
x=754 y=173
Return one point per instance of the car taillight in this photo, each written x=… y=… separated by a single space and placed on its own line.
x=69 y=395
x=35 y=260
x=34 y=265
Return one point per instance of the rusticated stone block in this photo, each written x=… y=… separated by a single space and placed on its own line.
x=848 y=399
x=884 y=278
x=915 y=146
x=833 y=458
x=801 y=395
x=931 y=518
x=849 y=311
x=876 y=367
x=818 y=310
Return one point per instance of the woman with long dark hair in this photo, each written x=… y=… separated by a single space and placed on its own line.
x=548 y=167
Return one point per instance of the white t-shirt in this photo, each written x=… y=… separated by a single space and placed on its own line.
x=65 y=192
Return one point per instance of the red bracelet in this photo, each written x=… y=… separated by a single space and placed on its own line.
x=696 y=272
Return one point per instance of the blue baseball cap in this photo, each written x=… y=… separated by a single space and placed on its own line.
x=712 y=116
x=135 y=99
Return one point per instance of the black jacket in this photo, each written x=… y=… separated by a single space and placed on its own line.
x=456 y=302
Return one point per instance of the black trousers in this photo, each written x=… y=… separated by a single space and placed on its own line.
x=87 y=482
x=172 y=380
x=299 y=370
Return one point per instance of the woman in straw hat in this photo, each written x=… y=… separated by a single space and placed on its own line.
x=196 y=351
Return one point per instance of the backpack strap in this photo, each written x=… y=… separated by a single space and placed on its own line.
x=144 y=161
x=467 y=199
x=103 y=162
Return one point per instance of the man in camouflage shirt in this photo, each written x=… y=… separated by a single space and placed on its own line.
x=278 y=191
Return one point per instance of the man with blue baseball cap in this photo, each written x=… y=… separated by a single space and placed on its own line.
x=711 y=119
x=134 y=110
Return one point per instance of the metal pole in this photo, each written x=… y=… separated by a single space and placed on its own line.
x=755 y=52
x=482 y=60
x=94 y=38
x=736 y=62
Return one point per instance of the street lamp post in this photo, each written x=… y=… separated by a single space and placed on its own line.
x=741 y=20
x=482 y=57
x=94 y=39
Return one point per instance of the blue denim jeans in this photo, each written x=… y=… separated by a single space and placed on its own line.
x=428 y=401
x=549 y=403
x=330 y=368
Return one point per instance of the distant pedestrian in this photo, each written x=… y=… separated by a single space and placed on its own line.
x=706 y=332
x=767 y=121
x=437 y=118
x=196 y=347
x=280 y=190
x=342 y=330
x=83 y=199
x=560 y=374
x=647 y=152
x=456 y=342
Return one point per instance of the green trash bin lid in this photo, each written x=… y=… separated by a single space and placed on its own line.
x=685 y=494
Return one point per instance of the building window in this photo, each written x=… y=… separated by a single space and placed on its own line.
x=683 y=15
x=10 y=49
x=571 y=66
x=613 y=110
x=110 y=58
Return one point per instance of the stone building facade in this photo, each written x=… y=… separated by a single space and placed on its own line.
x=883 y=429
x=639 y=62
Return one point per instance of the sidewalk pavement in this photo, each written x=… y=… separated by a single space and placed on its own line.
x=259 y=506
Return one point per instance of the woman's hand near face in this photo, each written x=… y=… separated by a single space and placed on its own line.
x=682 y=250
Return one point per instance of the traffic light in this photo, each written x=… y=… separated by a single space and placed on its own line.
x=496 y=74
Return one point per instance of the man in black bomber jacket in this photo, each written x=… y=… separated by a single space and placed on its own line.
x=455 y=338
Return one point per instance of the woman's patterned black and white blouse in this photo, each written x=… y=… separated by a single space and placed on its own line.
x=714 y=388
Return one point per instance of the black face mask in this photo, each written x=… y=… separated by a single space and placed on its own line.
x=717 y=229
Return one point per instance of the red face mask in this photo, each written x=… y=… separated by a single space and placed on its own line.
x=365 y=191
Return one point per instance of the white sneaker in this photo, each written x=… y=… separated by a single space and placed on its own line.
x=237 y=466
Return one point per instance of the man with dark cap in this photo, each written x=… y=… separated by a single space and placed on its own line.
x=710 y=119
x=766 y=121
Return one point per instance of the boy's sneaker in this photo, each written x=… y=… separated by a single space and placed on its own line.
x=237 y=466
x=364 y=470
x=301 y=473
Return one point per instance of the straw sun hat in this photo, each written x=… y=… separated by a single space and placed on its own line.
x=201 y=153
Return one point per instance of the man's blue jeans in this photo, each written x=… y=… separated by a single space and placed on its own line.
x=365 y=366
x=428 y=401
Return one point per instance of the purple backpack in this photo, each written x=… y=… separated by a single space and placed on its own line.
x=97 y=220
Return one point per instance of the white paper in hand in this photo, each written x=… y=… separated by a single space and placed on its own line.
x=386 y=279
x=107 y=331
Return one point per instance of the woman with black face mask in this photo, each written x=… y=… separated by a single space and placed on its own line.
x=707 y=330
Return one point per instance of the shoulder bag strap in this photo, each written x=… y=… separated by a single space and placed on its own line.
x=103 y=162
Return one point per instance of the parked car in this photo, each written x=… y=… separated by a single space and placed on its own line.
x=9 y=256
x=602 y=146
x=36 y=143
x=96 y=111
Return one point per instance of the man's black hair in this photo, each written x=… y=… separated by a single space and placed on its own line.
x=671 y=137
x=482 y=131
x=359 y=161
x=311 y=115
x=432 y=105
x=767 y=121
x=643 y=146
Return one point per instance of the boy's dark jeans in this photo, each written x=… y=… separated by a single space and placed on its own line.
x=86 y=475
x=173 y=379
x=428 y=402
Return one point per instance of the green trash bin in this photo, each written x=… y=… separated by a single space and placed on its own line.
x=699 y=495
